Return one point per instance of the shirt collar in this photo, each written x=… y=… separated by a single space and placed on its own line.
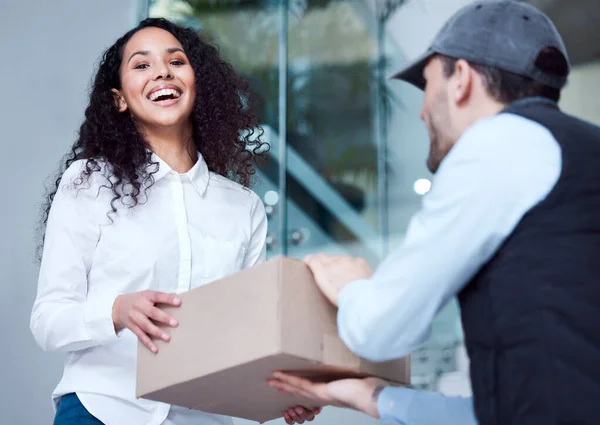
x=198 y=174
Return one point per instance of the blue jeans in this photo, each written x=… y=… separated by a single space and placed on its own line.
x=71 y=412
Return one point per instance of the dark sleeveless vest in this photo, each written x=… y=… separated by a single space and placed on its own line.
x=531 y=315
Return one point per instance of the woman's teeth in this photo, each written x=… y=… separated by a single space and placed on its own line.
x=166 y=93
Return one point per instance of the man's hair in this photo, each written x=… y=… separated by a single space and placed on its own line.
x=507 y=87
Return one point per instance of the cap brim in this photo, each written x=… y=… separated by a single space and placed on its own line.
x=413 y=73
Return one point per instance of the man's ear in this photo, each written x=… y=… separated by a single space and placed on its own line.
x=120 y=102
x=462 y=81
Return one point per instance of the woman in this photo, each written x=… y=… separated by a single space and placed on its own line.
x=152 y=203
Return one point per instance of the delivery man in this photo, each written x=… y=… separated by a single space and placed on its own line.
x=510 y=226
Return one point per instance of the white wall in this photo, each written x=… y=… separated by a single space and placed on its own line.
x=48 y=50
x=581 y=97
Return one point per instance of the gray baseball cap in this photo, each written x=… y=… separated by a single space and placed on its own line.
x=501 y=34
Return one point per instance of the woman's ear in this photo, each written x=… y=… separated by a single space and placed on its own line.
x=120 y=102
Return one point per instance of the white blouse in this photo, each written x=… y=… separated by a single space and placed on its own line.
x=192 y=229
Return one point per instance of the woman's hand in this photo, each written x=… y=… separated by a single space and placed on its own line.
x=138 y=310
x=299 y=414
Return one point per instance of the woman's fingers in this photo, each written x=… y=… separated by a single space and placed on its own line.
x=144 y=339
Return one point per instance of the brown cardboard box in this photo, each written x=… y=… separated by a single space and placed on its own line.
x=233 y=333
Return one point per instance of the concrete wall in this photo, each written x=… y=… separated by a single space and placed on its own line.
x=48 y=51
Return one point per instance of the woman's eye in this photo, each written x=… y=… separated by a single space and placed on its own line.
x=142 y=66
x=177 y=63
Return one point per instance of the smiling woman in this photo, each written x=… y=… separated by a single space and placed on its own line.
x=157 y=72
x=151 y=202
x=159 y=54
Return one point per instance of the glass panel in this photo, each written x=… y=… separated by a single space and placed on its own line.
x=248 y=36
x=331 y=129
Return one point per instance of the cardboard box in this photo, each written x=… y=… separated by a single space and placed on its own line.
x=233 y=333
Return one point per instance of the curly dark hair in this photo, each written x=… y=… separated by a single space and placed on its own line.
x=225 y=131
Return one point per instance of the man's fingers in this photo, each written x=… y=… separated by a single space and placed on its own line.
x=314 y=260
x=144 y=339
x=322 y=275
x=304 y=387
x=293 y=390
x=288 y=418
x=310 y=257
x=299 y=386
x=285 y=387
x=164 y=298
x=324 y=257
x=295 y=381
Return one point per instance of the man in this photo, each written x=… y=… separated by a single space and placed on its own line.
x=511 y=226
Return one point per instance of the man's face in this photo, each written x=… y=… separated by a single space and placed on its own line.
x=436 y=113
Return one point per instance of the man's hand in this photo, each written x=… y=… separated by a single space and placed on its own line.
x=299 y=414
x=333 y=273
x=357 y=394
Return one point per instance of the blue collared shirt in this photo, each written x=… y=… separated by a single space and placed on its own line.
x=405 y=406
x=498 y=170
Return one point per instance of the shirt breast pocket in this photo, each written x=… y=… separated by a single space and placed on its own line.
x=222 y=257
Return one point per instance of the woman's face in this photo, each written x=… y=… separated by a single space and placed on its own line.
x=158 y=84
